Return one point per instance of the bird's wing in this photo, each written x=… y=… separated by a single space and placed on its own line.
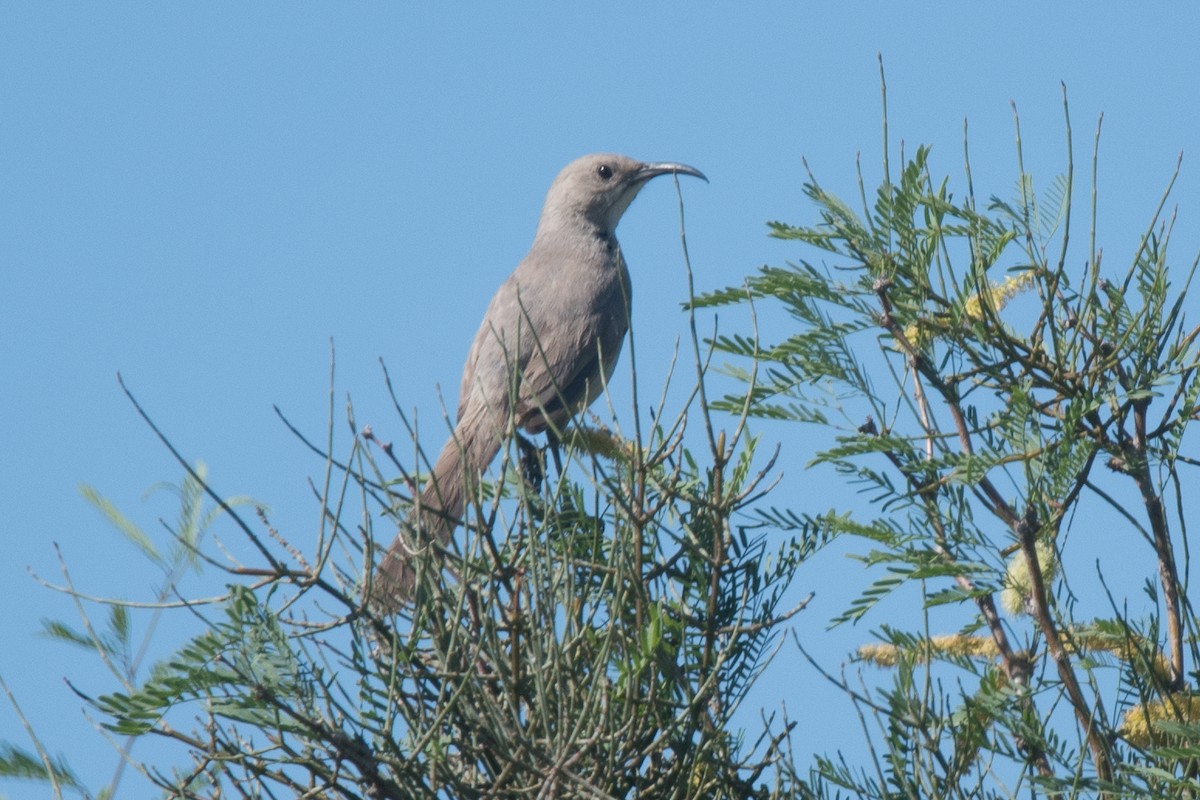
x=491 y=358
x=552 y=390
x=561 y=341
x=571 y=360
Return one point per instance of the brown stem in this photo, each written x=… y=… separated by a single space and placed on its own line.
x=1026 y=531
x=1168 y=574
x=720 y=459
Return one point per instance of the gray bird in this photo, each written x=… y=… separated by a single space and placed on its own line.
x=547 y=345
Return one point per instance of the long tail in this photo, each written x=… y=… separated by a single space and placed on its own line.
x=439 y=508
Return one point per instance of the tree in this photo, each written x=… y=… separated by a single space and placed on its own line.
x=594 y=627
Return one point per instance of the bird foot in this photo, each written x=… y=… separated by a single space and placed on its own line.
x=533 y=467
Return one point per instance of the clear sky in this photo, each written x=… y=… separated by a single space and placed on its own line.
x=202 y=195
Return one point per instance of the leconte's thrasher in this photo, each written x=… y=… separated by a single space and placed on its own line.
x=548 y=343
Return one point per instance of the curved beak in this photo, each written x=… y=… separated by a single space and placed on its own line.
x=649 y=171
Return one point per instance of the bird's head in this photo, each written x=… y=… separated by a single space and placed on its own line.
x=599 y=188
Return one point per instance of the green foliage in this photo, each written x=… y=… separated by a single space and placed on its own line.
x=974 y=379
x=19 y=764
x=229 y=669
x=115 y=644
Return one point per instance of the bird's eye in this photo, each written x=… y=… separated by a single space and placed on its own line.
x=604 y=171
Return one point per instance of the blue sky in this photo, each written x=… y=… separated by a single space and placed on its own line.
x=203 y=195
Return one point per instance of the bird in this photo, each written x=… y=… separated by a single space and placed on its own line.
x=548 y=343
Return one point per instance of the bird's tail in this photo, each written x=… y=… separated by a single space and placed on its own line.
x=439 y=508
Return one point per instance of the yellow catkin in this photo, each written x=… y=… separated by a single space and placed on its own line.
x=922 y=332
x=955 y=644
x=1138 y=724
x=602 y=442
x=1015 y=596
x=999 y=293
x=1136 y=651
